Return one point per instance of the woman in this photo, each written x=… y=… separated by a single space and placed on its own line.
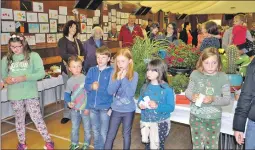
x=185 y=34
x=154 y=31
x=90 y=46
x=210 y=30
x=69 y=45
x=171 y=33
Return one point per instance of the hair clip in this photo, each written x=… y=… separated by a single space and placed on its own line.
x=17 y=36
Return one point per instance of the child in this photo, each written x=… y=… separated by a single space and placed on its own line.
x=99 y=101
x=155 y=115
x=245 y=110
x=238 y=36
x=208 y=90
x=122 y=84
x=21 y=68
x=76 y=98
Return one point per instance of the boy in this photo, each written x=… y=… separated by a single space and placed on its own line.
x=99 y=101
x=246 y=110
x=76 y=97
x=238 y=36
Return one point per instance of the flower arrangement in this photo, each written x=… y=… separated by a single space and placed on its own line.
x=182 y=56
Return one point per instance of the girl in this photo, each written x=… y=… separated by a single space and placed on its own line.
x=122 y=85
x=208 y=90
x=156 y=102
x=21 y=69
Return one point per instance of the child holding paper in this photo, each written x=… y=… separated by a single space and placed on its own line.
x=208 y=90
x=156 y=102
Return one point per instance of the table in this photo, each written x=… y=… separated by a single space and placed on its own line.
x=49 y=90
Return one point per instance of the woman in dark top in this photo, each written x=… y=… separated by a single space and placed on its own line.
x=154 y=31
x=90 y=46
x=171 y=33
x=69 y=45
x=211 y=40
x=185 y=34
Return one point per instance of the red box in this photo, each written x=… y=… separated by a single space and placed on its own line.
x=182 y=99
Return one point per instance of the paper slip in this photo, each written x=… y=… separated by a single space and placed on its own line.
x=200 y=99
x=145 y=102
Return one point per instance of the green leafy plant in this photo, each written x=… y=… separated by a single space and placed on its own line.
x=179 y=83
x=182 y=56
x=143 y=51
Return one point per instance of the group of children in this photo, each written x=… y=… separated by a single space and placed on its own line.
x=105 y=97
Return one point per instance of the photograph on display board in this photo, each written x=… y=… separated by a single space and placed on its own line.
x=62 y=10
x=8 y=26
x=83 y=27
x=33 y=28
x=20 y=27
x=44 y=28
x=113 y=12
x=43 y=17
x=32 y=17
x=89 y=29
x=89 y=21
x=53 y=14
x=19 y=15
x=53 y=26
x=97 y=13
x=105 y=19
x=26 y=5
x=83 y=18
x=61 y=19
x=6 y=14
x=51 y=38
x=40 y=38
x=5 y=38
x=30 y=39
x=59 y=36
x=95 y=20
x=37 y=7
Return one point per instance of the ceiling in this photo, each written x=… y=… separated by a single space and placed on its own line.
x=195 y=7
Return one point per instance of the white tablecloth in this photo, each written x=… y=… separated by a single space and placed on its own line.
x=182 y=112
x=47 y=85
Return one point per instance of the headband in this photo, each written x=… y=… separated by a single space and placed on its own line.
x=17 y=36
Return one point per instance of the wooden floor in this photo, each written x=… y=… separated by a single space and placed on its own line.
x=179 y=137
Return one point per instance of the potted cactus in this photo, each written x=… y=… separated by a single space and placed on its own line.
x=232 y=56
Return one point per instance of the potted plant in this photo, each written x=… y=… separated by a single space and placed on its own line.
x=179 y=83
x=181 y=58
x=230 y=60
x=143 y=51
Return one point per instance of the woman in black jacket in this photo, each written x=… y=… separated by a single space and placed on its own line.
x=185 y=34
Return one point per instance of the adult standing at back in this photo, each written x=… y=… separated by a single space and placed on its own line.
x=185 y=34
x=129 y=32
x=90 y=46
x=68 y=46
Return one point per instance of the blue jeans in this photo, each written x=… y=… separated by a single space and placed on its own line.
x=76 y=117
x=100 y=123
x=126 y=118
x=250 y=135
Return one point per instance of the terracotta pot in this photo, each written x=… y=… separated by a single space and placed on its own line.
x=182 y=99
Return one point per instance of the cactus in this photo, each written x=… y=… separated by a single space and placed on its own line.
x=232 y=56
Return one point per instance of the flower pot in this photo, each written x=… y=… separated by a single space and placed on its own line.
x=182 y=99
x=236 y=81
x=174 y=70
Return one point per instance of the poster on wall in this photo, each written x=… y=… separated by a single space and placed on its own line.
x=40 y=38
x=105 y=19
x=8 y=26
x=105 y=37
x=89 y=29
x=106 y=29
x=83 y=18
x=95 y=20
x=62 y=10
x=61 y=19
x=30 y=39
x=26 y=5
x=32 y=17
x=51 y=38
x=113 y=19
x=83 y=27
x=97 y=13
x=53 y=26
x=44 y=28
x=6 y=14
x=113 y=12
x=37 y=7
x=118 y=14
x=33 y=28
x=43 y=17
x=5 y=38
x=19 y=15
x=53 y=14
